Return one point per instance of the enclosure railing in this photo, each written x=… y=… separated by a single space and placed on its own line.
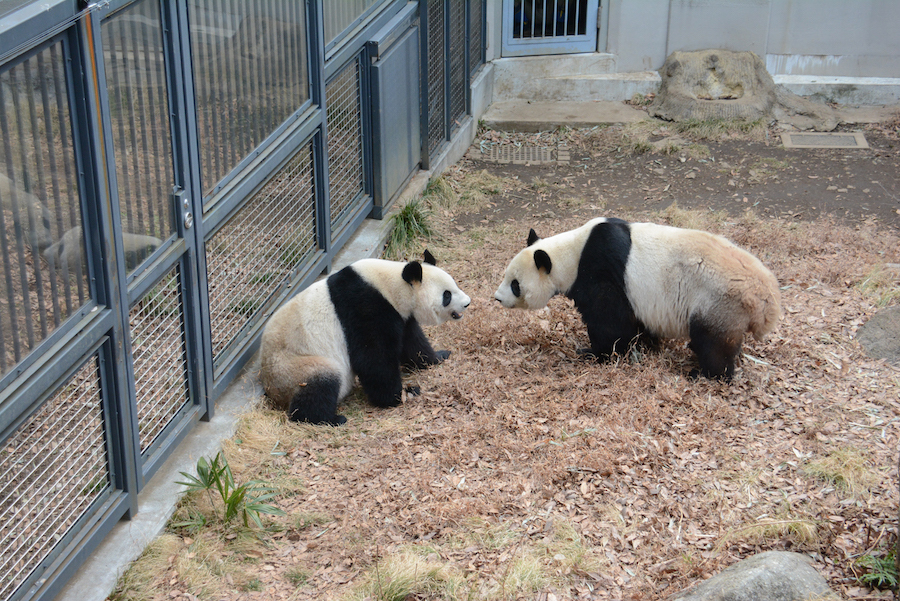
x=170 y=172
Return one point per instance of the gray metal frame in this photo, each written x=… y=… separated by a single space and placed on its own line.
x=101 y=330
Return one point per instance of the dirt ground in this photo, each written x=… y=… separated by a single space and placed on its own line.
x=524 y=472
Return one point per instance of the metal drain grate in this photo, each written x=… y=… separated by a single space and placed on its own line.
x=521 y=155
x=824 y=140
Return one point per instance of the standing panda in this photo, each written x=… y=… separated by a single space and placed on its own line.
x=643 y=280
x=363 y=320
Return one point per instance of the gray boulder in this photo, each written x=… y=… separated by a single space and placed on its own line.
x=770 y=576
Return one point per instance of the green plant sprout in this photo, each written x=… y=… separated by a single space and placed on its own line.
x=247 y=500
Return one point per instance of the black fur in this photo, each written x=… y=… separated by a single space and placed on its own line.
x=542 y=261
x=715 y=351
x=316 y=401
x=417 y=352
x=599 y=290
x=378 y=339
x=412 y=272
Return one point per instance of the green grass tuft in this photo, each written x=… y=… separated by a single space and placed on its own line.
x=408 y=226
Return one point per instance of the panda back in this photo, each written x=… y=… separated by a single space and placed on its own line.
x=673 y=274
x=670 y=275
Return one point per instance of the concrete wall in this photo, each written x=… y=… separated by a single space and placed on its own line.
x=850 y=38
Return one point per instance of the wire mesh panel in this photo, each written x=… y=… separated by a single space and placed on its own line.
x=250 y=74
x=159 y=356
x=476 y=39
x=459 y=73
x=43 y=275
x=345 y=143
x=52 y=468
x=258 y=249
x=139 y=112
x=436 y=100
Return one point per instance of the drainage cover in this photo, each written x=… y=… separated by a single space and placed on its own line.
x=521 y=155
x=824 y=140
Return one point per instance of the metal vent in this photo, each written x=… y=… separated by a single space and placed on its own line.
x=824 y=140
x=521 y=155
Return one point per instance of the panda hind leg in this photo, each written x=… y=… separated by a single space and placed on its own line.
x=316 y=391
x=417 y=352
x=716 y=351
x=316 y=401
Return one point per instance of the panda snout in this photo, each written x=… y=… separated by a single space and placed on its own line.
x=458 y=314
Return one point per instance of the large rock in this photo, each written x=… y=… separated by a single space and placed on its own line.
x=770 y=576
x=880 y=336
x=723 y=84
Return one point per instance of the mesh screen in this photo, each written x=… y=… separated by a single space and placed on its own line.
x=51 y=469
x=345 y=144
x=436 y=133
x=459 y=74
x=139 y=113
x=476 y=51
x=159 y=355
x=43 y=274
x=250 y=74
x=258 y=249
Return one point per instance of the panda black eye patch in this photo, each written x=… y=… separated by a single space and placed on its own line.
x=514 y=285
x=447 y=297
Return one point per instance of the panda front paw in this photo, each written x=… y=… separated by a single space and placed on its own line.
x=587 y=354
x=441 y=356
x=413 y=390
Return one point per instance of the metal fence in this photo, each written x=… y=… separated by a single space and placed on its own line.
x=454 y=50
x=170 y=172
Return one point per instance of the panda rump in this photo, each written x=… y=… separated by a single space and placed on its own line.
x=364 y=321
x=633 y=280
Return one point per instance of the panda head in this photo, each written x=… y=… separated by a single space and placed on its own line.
x=527 y=283
x=437 y=298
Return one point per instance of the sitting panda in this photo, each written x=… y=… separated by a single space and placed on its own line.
x=363 y=320
x=642 y=280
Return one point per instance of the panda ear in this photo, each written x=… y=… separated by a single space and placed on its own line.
x=542 y=261
x=429 y=258
x=532 y=237
x=412 y=272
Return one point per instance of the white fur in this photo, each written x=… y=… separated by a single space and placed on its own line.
x=424 y=300
x=671 y=274
x=305 y=337
x=537 y=287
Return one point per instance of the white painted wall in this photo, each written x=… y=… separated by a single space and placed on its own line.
x=849 y=38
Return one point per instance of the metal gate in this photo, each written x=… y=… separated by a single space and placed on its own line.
x=536 y=27
x=170 y=173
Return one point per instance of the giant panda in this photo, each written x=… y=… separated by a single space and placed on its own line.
x=363 y=320
x=644 y=281
x=68 y=252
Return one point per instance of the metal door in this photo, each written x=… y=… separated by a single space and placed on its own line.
x=538 y=27
x=142 y=75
